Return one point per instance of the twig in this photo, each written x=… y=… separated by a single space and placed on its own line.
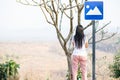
x=46 y=17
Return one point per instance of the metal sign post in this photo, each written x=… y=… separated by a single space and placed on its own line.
x=93 y=50
x=93 y=11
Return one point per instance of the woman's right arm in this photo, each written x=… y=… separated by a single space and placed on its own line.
x=86 y=42
x=86 y=45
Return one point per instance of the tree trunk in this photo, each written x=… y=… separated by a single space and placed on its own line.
x=69 y=66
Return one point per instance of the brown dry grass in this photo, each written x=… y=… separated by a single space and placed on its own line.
x=46 y=61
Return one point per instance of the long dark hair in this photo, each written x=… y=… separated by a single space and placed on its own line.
x=79 y=36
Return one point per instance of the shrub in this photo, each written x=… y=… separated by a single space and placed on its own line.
x=115 y=67
x=79 y=75
x=2 y=72
x=8 y=69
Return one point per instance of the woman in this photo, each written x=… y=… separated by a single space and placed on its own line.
x=79 y=55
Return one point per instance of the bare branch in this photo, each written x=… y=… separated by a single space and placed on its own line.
x=69 y=4
x=55 y=12
x=82 y=1
x=79 y=8
x=76 y=1
x=103 y=26
x=49 y=11
x=98 y=29
x=67 y=15
x=58 y=32
x=28 y=3
x=46 y=17
x=71 y=7
x=35 y=2
x=63 y=11
x=55 y=22
x=79 y=15
x=82 y=6
x=102 y=39
x=24 y=3
x=61 y=43
x=69 y=35
x=60 y=21
x=67 y=8
x=71 y=22
x=58 y=4
x=53 y=6
x=88 y=25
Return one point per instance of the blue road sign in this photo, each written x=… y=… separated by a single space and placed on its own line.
x=94 y=10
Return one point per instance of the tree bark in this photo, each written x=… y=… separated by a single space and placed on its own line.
x=69 y=65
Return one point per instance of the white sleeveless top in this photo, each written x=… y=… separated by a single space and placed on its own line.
x=80 y=51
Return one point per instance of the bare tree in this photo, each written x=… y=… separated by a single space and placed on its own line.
x=54 y=10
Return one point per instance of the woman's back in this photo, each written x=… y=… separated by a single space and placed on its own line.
x=82 y=50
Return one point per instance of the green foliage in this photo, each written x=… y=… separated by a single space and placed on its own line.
x=68 y=76
x=118 y=42
x=79 y=75
x=2 y=72
x=115 y=67
x=8 y=69
x=47 y=78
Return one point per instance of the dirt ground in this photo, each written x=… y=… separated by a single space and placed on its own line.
x=47 y=61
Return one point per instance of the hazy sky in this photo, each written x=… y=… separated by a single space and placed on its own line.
x=19 y=22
